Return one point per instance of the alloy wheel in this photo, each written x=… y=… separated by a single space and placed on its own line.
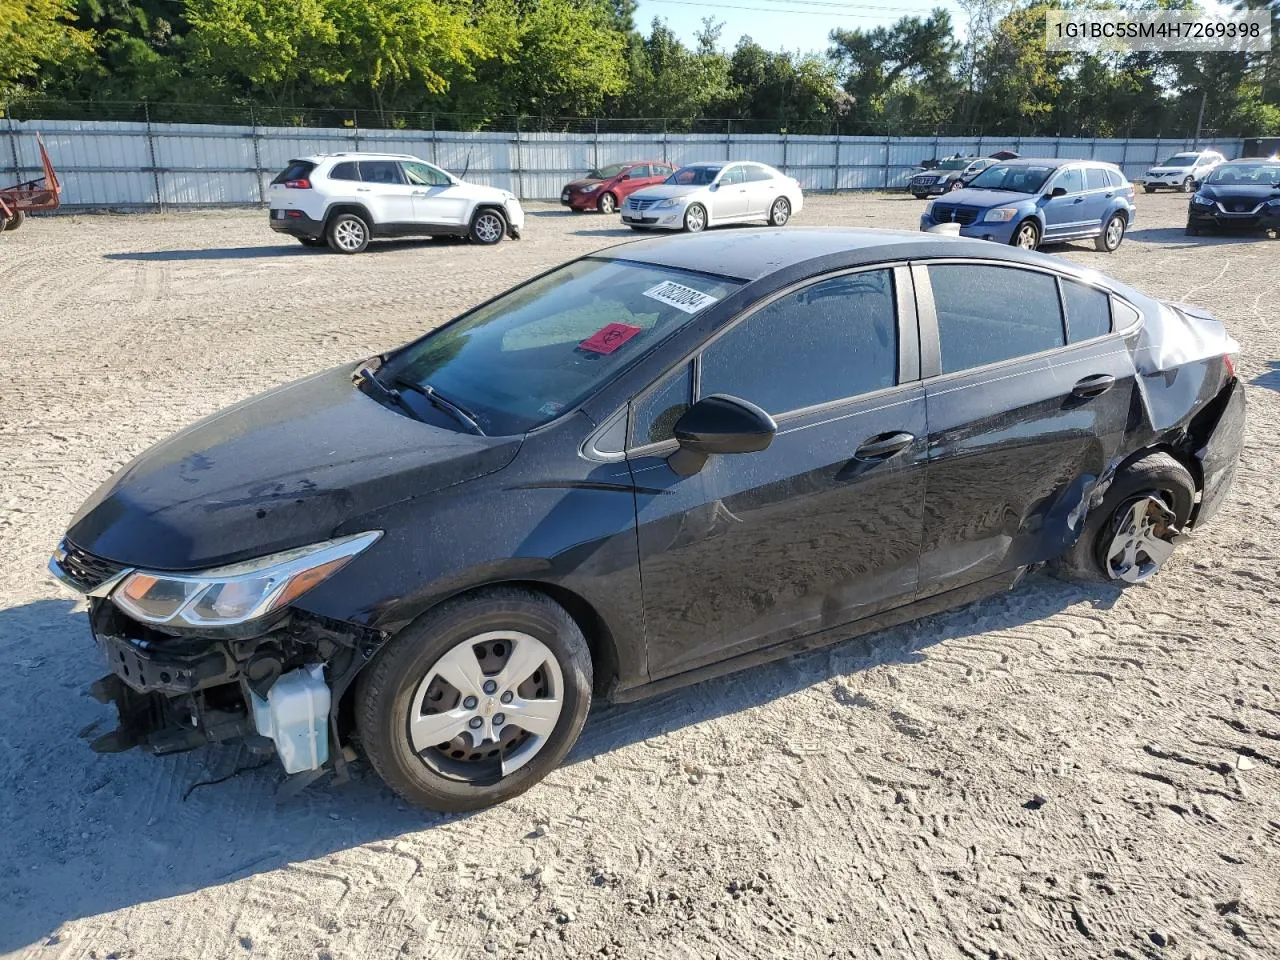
x=696 y=219
x=780 y=213
x=488 y=228
x=349 y=235
x=487 y=707
x=608 y=204
x=1186 y=185
x=1139 y=546
x=1027 y=236
x=1115 y=232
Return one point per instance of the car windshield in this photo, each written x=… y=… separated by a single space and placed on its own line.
x=1013 y=177
x=694 y=176
x=1246 y=174
x=1181 y=160
x=542 y=348
x=954 y=164
x=607 y=173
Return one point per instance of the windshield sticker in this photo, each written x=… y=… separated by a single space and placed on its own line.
x=610 y=337
x=681 y=297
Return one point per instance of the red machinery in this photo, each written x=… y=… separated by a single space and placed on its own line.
x=43 y=193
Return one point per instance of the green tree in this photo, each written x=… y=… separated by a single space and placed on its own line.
x=34 y=34
x=792 y=88
x=667 y=79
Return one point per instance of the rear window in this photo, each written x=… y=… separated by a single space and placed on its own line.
x=344 y=171
x=296 y=170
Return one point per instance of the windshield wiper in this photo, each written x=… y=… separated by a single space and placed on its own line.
x=454 y=409
x=366 y=378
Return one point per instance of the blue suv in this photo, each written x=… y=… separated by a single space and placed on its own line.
x=1029 y=202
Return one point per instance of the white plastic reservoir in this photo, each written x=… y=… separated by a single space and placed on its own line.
x=295 y=716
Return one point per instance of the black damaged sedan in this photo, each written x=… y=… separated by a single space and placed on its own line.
x=658 y=463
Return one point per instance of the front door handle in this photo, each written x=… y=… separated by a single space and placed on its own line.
x=1078 y=200
x=362 y=189
x=883 y=446
x=1094 y=386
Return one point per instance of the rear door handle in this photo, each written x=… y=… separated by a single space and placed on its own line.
x=362 y=189
x=883 y=446
x=1094 y=386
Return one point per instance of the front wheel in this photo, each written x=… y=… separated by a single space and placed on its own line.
x=607 y=204
x=488 y=227
x=1130 y=535
x=780 y=212
x=920 y=196
x=1027 y=236
x=954 y=185
x=477 y=701
x=14 y=222
x=1149 y=189
x=1112 y=233
x=695 y=218
x=1192 y=230
x=1188 y=184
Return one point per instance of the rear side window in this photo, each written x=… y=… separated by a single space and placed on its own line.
x=380 y=171
x=344 y=171
x=656 y=415
x=296 y=170
x=835 y=339
x=989 y=314
x=1088 y=311
x=1096 y=178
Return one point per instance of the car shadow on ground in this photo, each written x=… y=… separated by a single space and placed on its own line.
x=1270 y=379
x=1177 y=236
x=211 y=816
x=264 y=252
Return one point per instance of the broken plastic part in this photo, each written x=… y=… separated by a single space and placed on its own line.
x=1177 y=334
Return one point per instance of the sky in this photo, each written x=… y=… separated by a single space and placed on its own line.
x=802 y=25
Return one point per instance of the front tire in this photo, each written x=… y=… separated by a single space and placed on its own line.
x=607 y=204
x=476 y=701
x=1192 y=230
x=955 y=185
x=1128 y=537
x=920 y=196
x=695 y=218
x=347 y=233
x=780 y=212
x=18 y=219
x=488 y=227
x=1188 y=184
x=1026 y=236
x=1109 y=240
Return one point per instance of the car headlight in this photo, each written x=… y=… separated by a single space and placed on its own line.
x=1001 y=215
x=670 y=202
x=1200 y=200
x=238 y=593
x=928 y=209
x=591 y=188
x=1274 y=203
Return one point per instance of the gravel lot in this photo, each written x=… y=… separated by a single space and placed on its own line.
x=1055 y=772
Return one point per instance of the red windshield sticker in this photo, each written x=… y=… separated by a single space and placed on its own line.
x=609 y=338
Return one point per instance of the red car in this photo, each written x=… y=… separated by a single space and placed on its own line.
x=606 y=188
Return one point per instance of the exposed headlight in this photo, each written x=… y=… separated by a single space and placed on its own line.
x=670 y=202
x=1200 y=200
x=1001 y=215
x=238 y=593
x=591 y=188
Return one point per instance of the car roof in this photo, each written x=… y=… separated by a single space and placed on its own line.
x=753 y=254
x=318 y=157
x=1245 y=160
x=1054 y=162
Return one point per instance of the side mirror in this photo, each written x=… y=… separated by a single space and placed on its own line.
x=1058 y=192
x=1195 y=184
x=714 y=186
x=719 y=424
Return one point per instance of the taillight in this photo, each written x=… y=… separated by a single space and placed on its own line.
x=303 y=184
x=1231 y=365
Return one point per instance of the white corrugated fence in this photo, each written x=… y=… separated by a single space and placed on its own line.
x=109 y=164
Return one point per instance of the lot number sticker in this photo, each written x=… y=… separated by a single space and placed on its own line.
x=681 y=297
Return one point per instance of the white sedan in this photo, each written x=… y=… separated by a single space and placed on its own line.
x=705 y=195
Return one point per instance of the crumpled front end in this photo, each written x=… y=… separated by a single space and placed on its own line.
x=273 y=683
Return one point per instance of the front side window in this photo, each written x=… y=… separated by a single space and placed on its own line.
x=1088 y=311
x=1071 y=180
x=544 y=347
x=425 y=175
x=834 y=339
x=987 y=314
x=380 y=171
x=733 y=175
x=694 y=176
x=654 y=416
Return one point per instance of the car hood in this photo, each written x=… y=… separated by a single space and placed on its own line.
x=280 y=470
x=486 y=193
x=664 y=191
x=973 y=197
x=1239 y=191
x=1164 y=170
x=579 y=184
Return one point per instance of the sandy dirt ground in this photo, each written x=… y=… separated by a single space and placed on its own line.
x=1056 y=772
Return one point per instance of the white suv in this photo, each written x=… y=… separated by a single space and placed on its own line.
x=1182 y=170
x=348 y=199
